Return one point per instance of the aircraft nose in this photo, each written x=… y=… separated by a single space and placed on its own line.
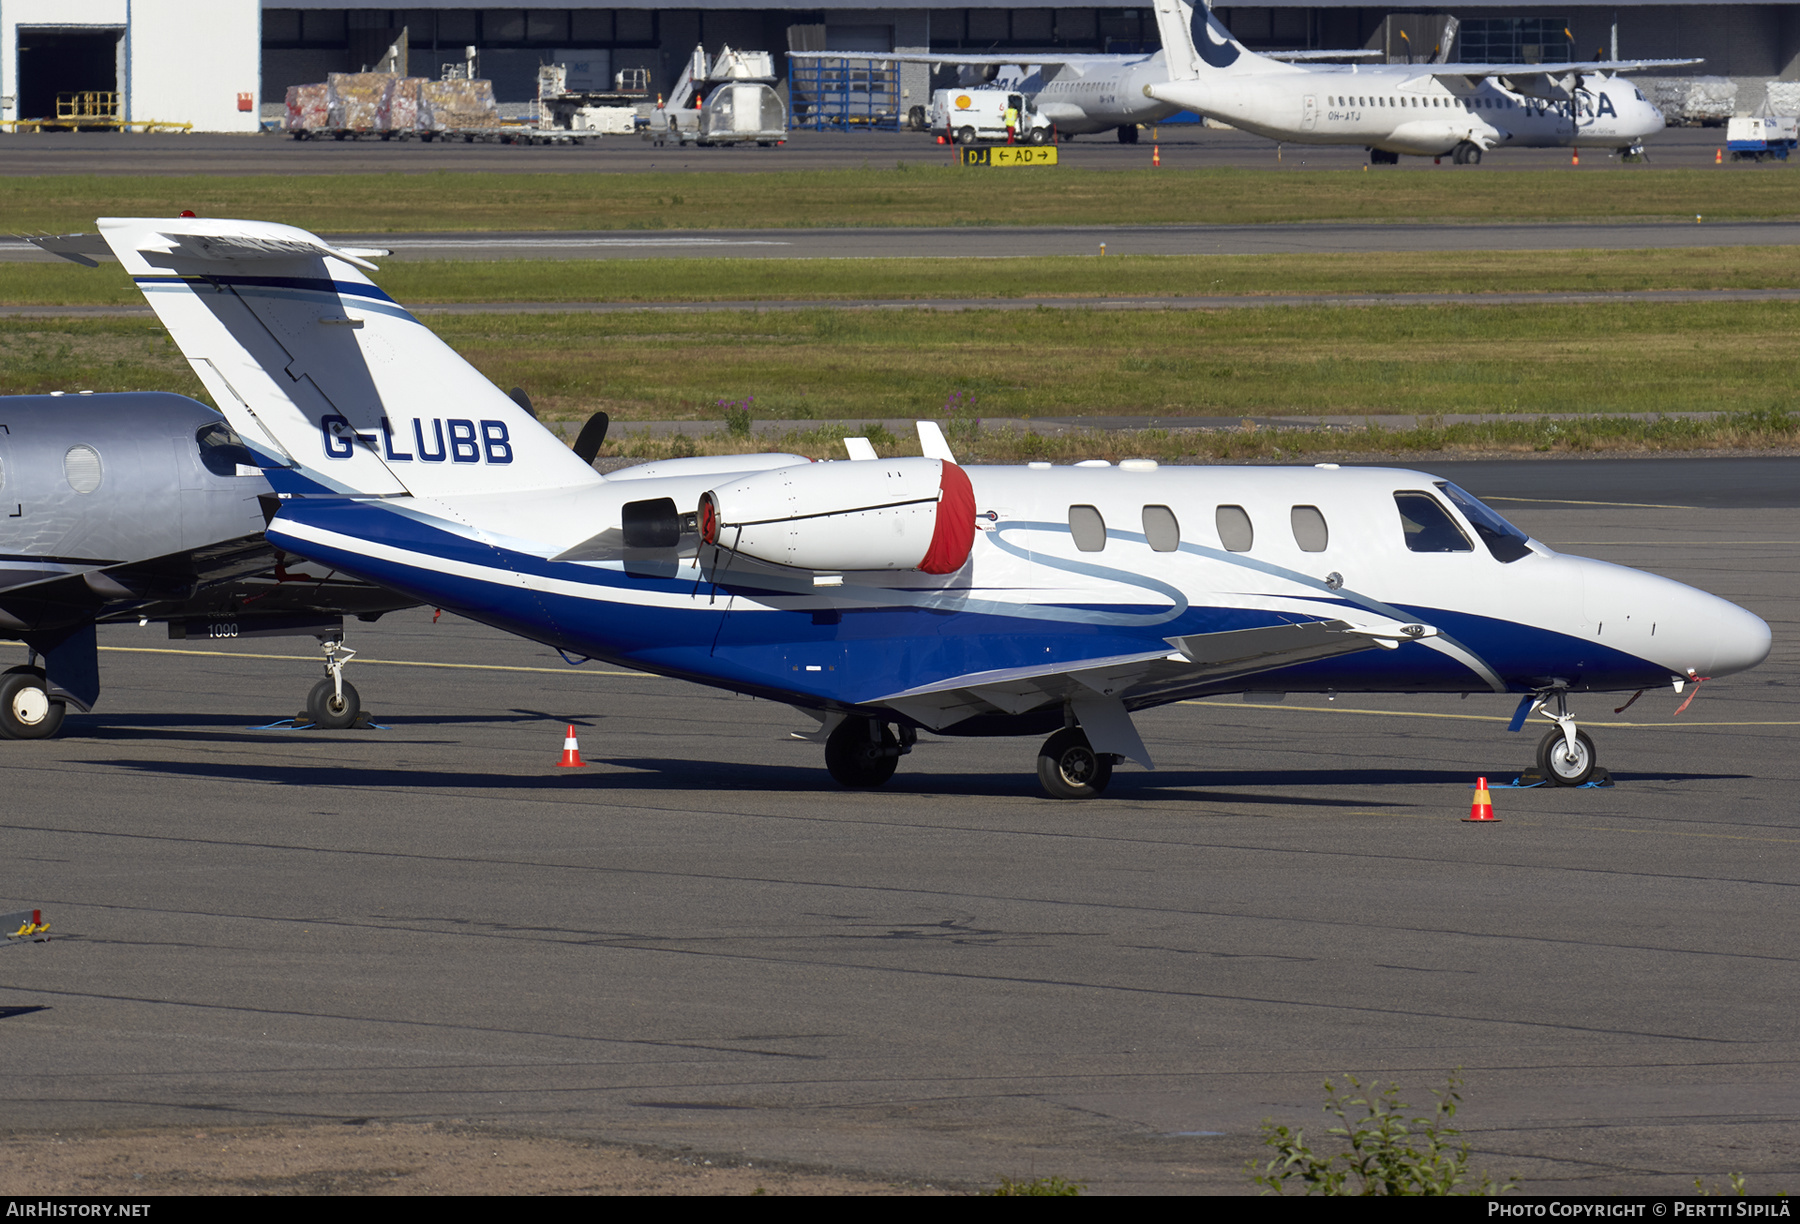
x=1743 y=640
x=1677 y=626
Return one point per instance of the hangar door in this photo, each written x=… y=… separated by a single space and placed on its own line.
x=55 y=60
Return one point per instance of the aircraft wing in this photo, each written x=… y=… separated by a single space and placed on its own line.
x=1301 y=57
x=1189 y=662
x=953 y=58
x=1551 y=70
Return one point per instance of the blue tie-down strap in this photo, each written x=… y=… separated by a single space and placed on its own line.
x=300 y=724
x=1600 y=781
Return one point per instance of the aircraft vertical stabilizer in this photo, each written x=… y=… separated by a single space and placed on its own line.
x=324 y=373
x=1196 y=46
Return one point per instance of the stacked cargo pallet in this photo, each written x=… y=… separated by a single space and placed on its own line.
x=351 y=104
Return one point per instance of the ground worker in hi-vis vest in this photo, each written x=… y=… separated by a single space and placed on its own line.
x=1012 y=122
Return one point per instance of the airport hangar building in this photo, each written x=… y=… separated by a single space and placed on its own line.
x=215 y=63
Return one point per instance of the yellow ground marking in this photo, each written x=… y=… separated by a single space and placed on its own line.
x=244 y=654
x=1570 y=501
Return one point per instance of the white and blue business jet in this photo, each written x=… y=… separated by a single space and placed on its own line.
x=888 y=596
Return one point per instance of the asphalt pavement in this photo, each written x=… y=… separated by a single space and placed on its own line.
x=698 y=941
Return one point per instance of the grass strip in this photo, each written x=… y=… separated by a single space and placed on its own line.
x=908 y=195
x=432 y=282
x=828 y=363
x=1756 y=430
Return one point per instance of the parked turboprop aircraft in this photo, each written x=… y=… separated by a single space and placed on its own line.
x=1079 y=93
x=886 y=596
x=144 y=507
x=1423 y=109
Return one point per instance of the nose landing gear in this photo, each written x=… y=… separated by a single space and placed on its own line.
x=1566 y=755
x=334 y=703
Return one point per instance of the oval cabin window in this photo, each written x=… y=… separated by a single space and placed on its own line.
x=1088 y=528
x=82 y=467
x=1309 y=529
x=1161 y=528
x=1235 y=532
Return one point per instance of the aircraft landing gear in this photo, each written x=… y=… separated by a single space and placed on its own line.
x=334 y=703
x=1634 y=153
x=1069 y=768
x=1128 y=134
x=1565 y=756
x=1381 y=157
x=27 y=710
x=1468 y=153
x=864 y=752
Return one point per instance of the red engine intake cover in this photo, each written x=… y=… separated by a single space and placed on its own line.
x=955 y=533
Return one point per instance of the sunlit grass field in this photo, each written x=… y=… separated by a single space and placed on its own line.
x=906 y=195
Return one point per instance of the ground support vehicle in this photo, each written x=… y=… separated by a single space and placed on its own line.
x=971 y=116
x=1761 y=137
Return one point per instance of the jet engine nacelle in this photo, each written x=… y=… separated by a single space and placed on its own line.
x=884 y=514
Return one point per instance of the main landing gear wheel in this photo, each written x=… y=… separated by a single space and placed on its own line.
x=856 y=758
x=330 y=710
x=1468 y=153
x=27 y=711
x=1128 y=134
x=1069 y=768
x=1381 y=157
x=1563 y=767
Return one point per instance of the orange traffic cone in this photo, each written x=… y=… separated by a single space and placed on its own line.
x=1575 y=157
x=571 y=758
x=1481 y=811
x=1156 y=155
x=1718 y=157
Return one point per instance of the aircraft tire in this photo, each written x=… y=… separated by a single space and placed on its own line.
x=324 y=708
x=26 y=709
x=857 y=761
x=1468 y=153
x=915 y=118
x=1128 y=134
x=1555 y=763
x=1069 y=768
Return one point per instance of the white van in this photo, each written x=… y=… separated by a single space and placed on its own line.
x=974 y=115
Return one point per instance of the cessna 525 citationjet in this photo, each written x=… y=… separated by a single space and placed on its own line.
x=1423 y=109
x=888 y=596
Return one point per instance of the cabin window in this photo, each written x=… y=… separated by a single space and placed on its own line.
x=1428 y=526
x=81 y=465
x=1088 y=528
x=1505 y=541
x=1310 y=532
x=1235 y=532
x=1161 y=528
x=222 y=452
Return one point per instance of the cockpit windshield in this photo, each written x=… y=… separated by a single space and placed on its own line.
x=1505 y=541
x=222 y=451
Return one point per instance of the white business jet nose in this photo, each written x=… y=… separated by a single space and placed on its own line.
x=1743 y=640
x=1674 y=625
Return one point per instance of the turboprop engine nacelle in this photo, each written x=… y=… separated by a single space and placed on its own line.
x=883 y=514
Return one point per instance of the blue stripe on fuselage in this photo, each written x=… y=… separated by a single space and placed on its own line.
x=814 y=651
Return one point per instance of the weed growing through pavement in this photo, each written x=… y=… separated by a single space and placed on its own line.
x=1387 y=1152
